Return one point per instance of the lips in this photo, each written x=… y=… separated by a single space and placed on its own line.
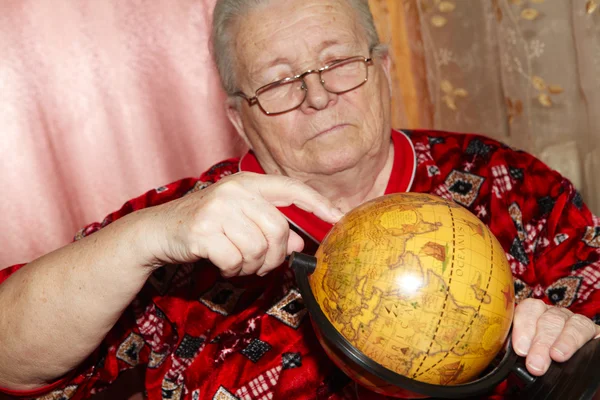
x=332 y=129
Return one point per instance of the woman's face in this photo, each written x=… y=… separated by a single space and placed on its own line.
x=329 y=133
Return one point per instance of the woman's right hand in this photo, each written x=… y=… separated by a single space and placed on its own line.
x=234 y=223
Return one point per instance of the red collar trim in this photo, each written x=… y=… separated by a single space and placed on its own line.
x=405 y=164
x=401 y=180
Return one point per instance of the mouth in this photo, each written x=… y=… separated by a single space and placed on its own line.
x=332 y=129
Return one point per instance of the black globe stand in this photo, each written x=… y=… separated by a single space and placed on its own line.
x=576 y=379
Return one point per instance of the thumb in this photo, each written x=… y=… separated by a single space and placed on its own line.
x=295 y=243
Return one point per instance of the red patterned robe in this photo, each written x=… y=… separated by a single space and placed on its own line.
x=200 y=336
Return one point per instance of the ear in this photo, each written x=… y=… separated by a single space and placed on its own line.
x=232 y=108
x=386 y=63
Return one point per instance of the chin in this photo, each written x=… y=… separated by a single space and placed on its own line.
x=335 y=160
x=336 y=151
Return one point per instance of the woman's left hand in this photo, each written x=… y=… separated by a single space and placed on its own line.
x=544 y=333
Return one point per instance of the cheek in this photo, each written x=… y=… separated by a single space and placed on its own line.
x=371 y=99
x=376 y=106
x=283 y=129
x=278 y=134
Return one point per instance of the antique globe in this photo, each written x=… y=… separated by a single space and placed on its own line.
x=410 y=288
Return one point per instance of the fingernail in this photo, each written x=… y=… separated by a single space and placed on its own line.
x=522 y=345
x=537 y=363
x=337 y=213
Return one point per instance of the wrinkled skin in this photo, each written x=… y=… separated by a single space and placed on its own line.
x=344 y=163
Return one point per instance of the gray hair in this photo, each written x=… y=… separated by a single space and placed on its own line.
x=227 y=12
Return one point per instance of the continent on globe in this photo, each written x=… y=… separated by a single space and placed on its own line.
x=435 y=250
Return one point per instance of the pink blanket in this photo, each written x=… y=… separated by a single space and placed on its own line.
x=99 y=102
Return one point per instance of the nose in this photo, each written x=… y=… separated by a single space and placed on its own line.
x=317 y=98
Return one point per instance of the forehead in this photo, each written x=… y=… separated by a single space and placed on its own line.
x=296 y=31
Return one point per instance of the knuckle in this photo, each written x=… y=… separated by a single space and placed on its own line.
x=256 y=252
x=234 y=260
x=231 y=186
x=243 y=179
x=558 y=312
x=568 y=313
x=582 y=324
x=266 y=268
x=247 y=175
x=202 y=226
x=528 y=312
x=542 y=341
x=552 y=320
x=289 y=181
x=195 y=247
x=240 y=177
x=280 y=230
x=273 y=262
x=226 y=271
x=295 y=186
x=534 y=304
x=572 y=338
x=207 y=211
x=274 y=258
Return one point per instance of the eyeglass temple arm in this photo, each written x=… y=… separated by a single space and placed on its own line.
x=250 y=100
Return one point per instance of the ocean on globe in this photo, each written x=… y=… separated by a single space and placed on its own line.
x=417 y=284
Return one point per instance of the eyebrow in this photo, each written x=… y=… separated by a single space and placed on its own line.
x=328 y=43
x=276 y=61
x=284 y=60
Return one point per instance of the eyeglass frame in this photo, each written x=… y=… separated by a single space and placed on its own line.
x=254 y=100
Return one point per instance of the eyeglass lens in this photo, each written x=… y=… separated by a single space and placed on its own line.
x=286 y=96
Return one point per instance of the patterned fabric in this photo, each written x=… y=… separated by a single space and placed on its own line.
x=202 y=337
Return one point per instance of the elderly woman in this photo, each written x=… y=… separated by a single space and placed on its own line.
x=309 y=90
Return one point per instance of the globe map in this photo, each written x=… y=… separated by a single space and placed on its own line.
x=419 y=285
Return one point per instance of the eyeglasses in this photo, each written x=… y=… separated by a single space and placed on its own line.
x=288 y=94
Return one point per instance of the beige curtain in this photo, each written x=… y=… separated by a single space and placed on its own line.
x=526 y=72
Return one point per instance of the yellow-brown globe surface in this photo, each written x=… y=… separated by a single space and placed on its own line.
x=419 y=285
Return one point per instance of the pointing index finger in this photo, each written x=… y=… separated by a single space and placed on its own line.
x=283 y=191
